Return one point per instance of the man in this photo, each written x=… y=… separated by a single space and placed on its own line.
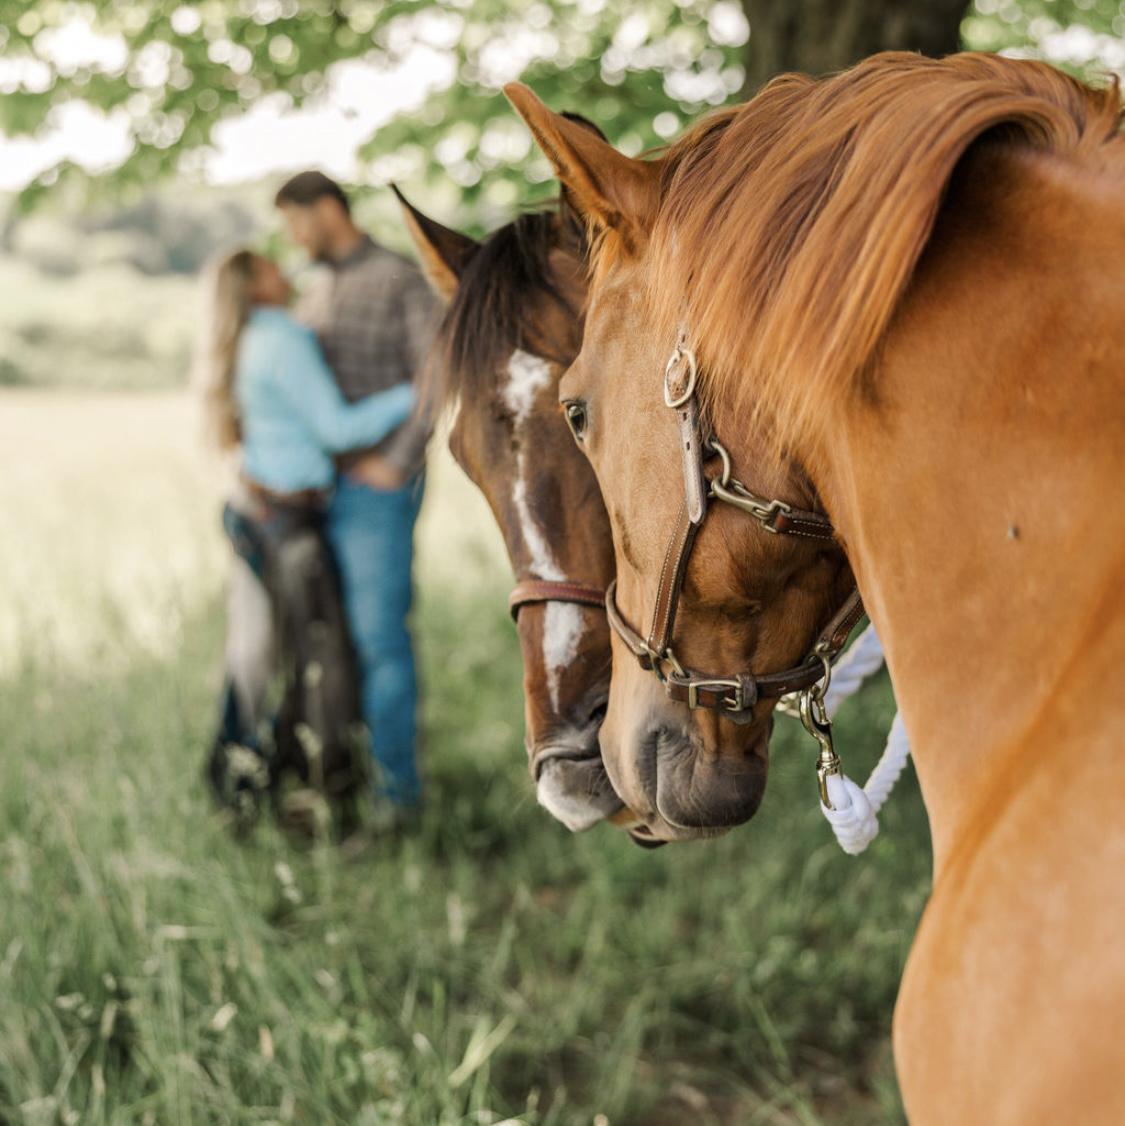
x=374 y=315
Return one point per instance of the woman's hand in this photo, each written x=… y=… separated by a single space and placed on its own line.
x=376 y=472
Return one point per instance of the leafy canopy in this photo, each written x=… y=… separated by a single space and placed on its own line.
x=175 y=69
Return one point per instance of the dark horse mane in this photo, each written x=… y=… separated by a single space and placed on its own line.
x=484 y=322
x=790 y=227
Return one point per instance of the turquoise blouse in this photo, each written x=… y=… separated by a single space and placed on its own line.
x=292 y=415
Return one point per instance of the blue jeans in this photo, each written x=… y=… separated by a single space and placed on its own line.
x=372 y=536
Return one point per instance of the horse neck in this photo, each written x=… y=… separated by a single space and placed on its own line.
x=978 y=487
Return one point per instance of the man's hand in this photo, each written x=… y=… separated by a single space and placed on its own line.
x=376 y=472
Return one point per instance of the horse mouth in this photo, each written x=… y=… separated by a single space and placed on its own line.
x=571 y=783
x=659 y=831
x=642 y=836
x=684 y=795
x=566 y=753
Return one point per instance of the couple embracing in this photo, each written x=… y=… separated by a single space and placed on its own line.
x=319 y=406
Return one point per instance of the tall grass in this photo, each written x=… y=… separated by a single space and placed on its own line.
x=490 y=967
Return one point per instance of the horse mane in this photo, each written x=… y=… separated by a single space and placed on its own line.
x=484 y=323
x=790 y=227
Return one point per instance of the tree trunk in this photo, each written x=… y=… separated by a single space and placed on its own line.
x=818 y=36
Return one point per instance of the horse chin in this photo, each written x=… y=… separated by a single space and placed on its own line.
x=704 y=796
x=572 y=785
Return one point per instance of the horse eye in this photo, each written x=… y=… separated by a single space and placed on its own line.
x=576 y=419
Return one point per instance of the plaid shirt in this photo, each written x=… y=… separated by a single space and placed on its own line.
x=375 y=318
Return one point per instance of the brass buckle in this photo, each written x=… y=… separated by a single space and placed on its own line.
x=735 y=703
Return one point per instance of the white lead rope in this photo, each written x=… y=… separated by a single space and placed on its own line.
x=863 y=658
x=853 y=813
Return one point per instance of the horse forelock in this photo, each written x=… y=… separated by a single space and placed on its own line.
x=790 y=227
x=486 y=320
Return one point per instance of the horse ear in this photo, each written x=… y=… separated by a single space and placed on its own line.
x=571 y=219
x=609 y=189
x=445 y=253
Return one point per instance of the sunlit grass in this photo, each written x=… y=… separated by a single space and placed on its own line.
x=489 y=968
x=111 y=526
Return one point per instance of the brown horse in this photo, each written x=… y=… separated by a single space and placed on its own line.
x=750 y=599
x=909 y=280
x=512 y=326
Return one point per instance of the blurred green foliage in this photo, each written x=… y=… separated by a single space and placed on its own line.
x=1039 y=27
x=175 y=69
x=185 y=67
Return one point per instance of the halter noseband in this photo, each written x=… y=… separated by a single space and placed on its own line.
x=530 y=591
x=734 y=695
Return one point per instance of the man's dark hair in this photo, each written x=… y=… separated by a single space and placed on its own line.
x=304 y=189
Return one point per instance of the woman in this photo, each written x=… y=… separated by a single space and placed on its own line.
x=268 y=391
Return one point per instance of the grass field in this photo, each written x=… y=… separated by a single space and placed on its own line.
x=103 y=327
x=491 y=968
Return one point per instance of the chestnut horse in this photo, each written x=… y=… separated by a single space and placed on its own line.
x=512 y=326
x=904 y=285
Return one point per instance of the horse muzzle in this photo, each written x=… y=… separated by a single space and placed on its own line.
x=680 y=792
x=571 y=783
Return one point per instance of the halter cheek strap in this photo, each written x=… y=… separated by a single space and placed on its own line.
x=734 y=695
x=850 y=810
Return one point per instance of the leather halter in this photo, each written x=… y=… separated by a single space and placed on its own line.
x=734 y=695
x=529 y=591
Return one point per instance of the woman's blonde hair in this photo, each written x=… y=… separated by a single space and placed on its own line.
x=229 y=292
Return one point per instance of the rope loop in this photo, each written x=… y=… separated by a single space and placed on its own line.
x=854 y=810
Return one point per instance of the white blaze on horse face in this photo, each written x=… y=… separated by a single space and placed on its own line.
x=538 y=549
x=562 y=630
x=529 y=376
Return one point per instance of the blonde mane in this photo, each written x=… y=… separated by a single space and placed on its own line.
x=789 y=228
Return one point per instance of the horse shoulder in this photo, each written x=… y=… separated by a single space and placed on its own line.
x=1010 y=1006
